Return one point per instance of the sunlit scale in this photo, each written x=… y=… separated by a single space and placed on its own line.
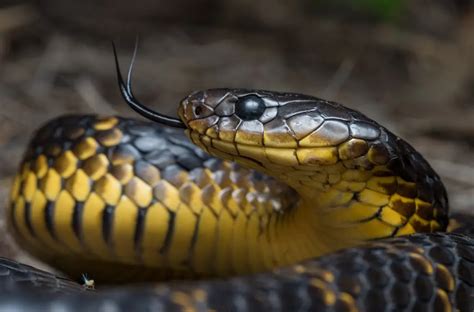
x=104 y=194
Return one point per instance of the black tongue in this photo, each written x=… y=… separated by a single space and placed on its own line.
x=127 y=94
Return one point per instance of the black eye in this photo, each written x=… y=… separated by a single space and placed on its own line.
x=250 y=107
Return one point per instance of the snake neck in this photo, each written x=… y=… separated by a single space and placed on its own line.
x=356 y=191
x=340 y=207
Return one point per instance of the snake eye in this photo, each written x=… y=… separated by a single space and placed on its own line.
x=250 y=107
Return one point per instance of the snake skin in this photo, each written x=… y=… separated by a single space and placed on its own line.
x=108 y=161
x=84 y=178
x=422 y=272
x=96 y=164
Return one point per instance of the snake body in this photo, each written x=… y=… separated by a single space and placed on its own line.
x=272 y=179
x=422 y=272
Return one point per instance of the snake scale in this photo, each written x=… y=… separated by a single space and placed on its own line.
x=274 y=201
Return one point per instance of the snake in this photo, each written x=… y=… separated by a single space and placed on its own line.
x=249 y=200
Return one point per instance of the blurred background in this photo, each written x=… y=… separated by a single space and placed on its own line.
x=407 y=64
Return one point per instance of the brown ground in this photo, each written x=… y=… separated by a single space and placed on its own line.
x=415 y=75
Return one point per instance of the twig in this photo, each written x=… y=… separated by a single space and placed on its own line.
x=462 y=201
x=455 y=172
x=16 y=16
x=92 y=97
x=11 y=109
x=339 y=78
x=50 y=61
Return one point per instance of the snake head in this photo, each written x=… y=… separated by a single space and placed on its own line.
x=284 y=129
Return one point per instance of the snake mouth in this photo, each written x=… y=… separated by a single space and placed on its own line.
x=266 y=157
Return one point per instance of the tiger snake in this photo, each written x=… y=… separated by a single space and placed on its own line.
x=317 y=206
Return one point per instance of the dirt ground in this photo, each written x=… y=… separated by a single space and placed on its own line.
x=414 y=75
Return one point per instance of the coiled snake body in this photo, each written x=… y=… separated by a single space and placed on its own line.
x=291 y=178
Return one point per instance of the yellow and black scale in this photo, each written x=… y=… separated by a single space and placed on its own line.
x=272 y=180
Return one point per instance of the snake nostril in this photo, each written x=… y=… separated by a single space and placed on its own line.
x=198 y=110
